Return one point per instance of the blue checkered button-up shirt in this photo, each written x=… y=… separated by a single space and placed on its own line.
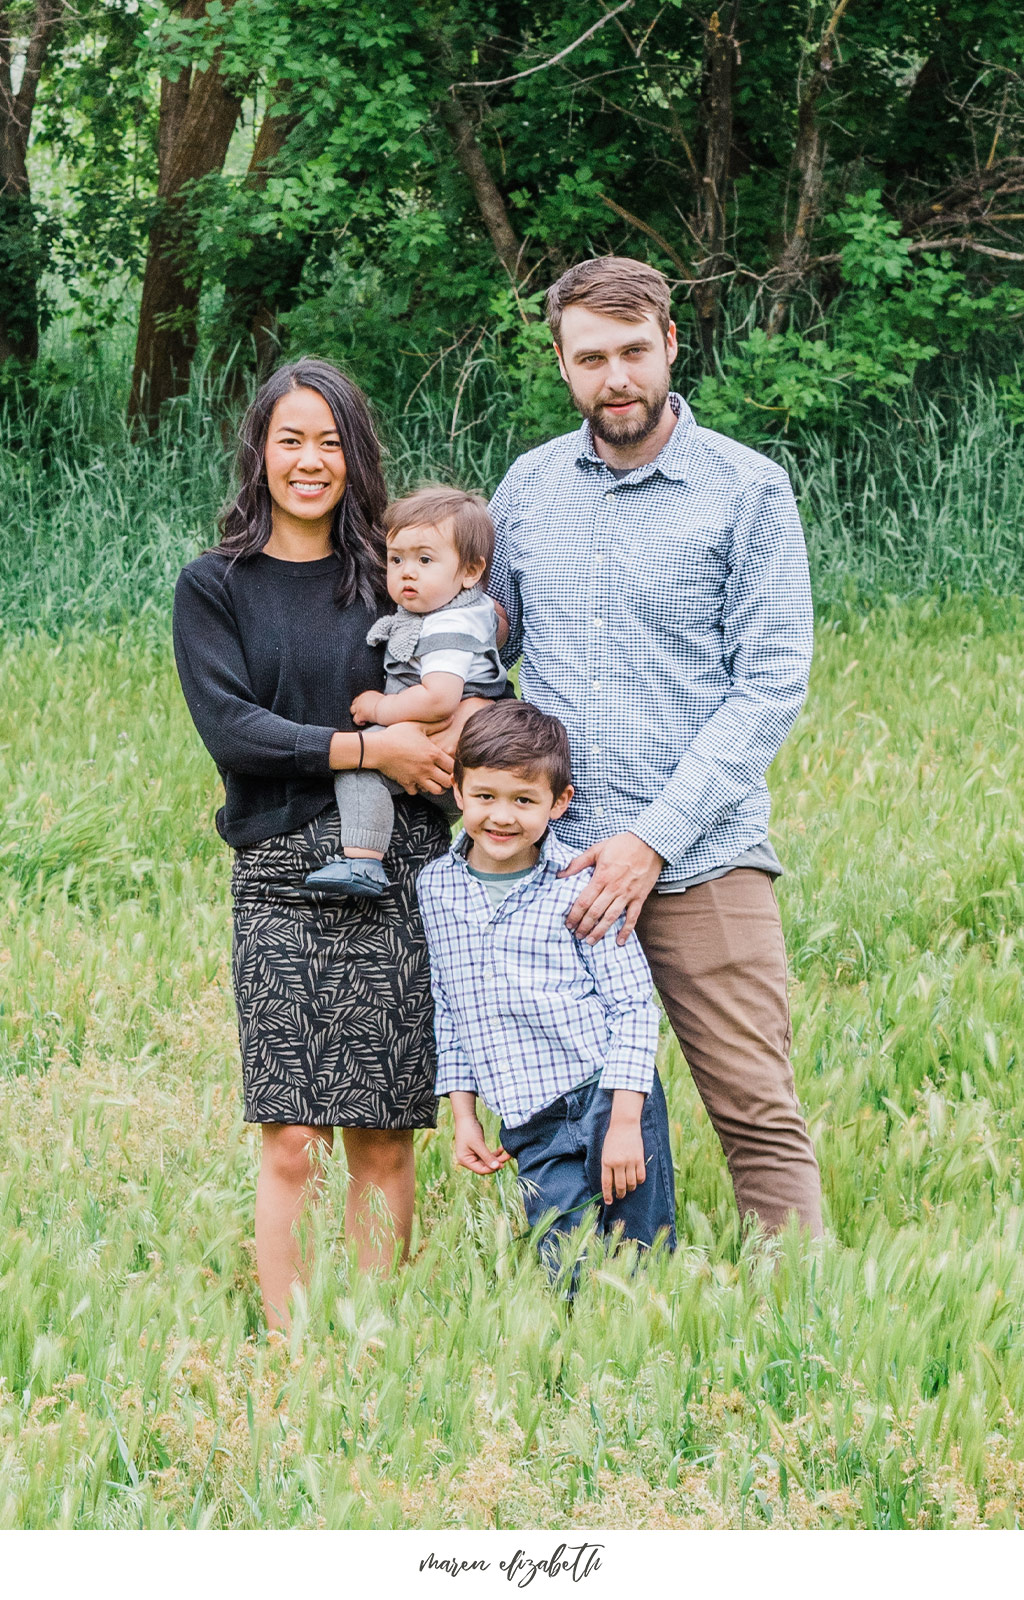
x=524 y=1011
x=665 y=617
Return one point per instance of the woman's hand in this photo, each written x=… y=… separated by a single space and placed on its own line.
x=406 y=754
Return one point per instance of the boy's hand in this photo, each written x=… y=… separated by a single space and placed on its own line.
x=622 y=1154
x=471 y=1148
x=364 y=707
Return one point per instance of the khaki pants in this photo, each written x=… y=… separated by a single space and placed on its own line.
x=719 y=964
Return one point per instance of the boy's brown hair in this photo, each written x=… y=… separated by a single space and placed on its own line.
x=472 y=528
x=615 y=286
x=512 y=736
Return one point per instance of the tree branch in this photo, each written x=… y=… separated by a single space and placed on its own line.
x=488 y=197
x=6 y=91
x=721 y=56
x=809 y=161
x=43 y=24
x=644 y=227
x=552 y=61
x=965 y=243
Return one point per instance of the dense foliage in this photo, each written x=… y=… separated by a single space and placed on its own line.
x=834 y=190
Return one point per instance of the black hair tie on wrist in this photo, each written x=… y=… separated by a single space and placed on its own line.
x=362 y=752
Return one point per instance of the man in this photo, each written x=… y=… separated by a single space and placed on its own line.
x=655 y=578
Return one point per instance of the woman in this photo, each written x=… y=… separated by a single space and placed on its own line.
x=333 y=1000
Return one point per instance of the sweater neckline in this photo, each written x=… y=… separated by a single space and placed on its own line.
x=299 y=569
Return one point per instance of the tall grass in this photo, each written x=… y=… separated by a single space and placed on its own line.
x=97 y=523
x=932 y=502
x=878 y=1382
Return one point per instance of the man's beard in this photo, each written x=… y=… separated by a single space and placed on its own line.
x=622 y=432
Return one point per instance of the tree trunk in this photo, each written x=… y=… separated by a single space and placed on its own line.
x=256 y=289
x=488 y=197
x=809 y=163
x=722 y=55
x=22 y=251
x=193 y=144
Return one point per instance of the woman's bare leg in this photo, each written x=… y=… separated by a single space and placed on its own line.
x=289 y=1173
x=381 y=1194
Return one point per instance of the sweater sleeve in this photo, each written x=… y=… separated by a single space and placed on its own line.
x=241 y=735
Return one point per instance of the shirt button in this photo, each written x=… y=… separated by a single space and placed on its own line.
x=608 y=493
x=599 y=811
x=595 y=749
x=597 y=622
x=597 y=686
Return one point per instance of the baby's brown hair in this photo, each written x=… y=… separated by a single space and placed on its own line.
x=435 y=503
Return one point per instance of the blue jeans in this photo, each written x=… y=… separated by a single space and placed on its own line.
x=558 y=1154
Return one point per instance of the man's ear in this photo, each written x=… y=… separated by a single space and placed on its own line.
x=561 y=362
x=671 y=343
x=561 y=804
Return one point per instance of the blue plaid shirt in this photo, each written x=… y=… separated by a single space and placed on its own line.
x=665 y=617
x=524 y=1011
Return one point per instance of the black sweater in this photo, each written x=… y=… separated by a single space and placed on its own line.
x=269 y=665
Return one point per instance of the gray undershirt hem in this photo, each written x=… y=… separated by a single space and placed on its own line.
x=760 y=858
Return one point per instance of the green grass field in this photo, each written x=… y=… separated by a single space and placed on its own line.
x=878 y=1382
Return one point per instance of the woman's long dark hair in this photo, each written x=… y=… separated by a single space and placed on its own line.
x=357 y=527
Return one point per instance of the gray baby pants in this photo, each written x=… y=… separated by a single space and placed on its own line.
x=366 y=810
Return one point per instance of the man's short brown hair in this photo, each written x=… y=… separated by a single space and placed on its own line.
x=472 y=528
x=512 y=736
x=615 y=286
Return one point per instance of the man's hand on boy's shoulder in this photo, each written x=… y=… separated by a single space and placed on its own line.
x=625 y=871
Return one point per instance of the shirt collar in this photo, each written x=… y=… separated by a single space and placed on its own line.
x=553 y=854
x=671 y=460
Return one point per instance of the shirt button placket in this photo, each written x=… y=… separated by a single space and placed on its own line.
x=598 y=623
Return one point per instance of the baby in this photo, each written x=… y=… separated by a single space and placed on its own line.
x=441 y=648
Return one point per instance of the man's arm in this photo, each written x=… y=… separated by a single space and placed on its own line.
x=767 y=642
x=501 y=585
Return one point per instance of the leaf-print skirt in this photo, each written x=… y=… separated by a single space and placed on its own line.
x=335 y=1018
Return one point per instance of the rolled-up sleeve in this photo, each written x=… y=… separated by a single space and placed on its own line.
x=767 y=642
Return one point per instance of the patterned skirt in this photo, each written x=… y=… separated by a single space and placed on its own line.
x=335 y=1018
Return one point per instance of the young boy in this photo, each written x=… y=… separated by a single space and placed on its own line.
x=556 y=1035
x=441 y=648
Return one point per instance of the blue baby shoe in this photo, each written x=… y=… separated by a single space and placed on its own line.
x=338 y=879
